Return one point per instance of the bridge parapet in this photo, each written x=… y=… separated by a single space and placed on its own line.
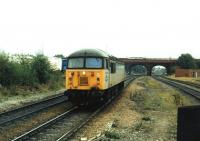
x=148 y=60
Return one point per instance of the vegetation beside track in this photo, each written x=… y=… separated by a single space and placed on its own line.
x=157 y=104
x=23 y=76
x=146 y=110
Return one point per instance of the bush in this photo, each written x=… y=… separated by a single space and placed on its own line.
x=7 y=71
x=27 y=70
x=41 y=68
x=24 y=71
x=56 y=80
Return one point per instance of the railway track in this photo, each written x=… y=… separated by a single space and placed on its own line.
x=185 y=82
x=66 y=124
x=22 y=112
x=184 y=88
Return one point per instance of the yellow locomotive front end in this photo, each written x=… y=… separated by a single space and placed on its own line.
x=87 y=76
x=85 y=79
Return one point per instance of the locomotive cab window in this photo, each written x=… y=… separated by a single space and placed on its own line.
x=76 y=63
x=113 y=67
x=93 y=62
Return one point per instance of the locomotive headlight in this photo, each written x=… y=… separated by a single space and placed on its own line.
x=98 y=75
x=83 y=72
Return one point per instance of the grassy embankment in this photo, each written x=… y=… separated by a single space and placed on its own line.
x=26 y=78
x=156 y=104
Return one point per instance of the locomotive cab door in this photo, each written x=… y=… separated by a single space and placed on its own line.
x=107 y=73
x=112 y=73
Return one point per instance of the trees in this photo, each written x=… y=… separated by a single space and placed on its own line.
x=59 y=56
x=7 y=74
x=41 y=68
x=186 y=61
x=198 y=64
x=24 y=70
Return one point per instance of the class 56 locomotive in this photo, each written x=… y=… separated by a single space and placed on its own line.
x=93 y=75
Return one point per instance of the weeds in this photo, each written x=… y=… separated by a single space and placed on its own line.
x=178 y=100
x=172 y=130
x=146 y=101
x=158 y=108
x=137 y=96
x=112 y=135
x=145 y=125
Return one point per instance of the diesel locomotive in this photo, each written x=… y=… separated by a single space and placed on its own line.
x=93 y=75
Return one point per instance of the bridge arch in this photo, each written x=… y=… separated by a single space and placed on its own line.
x=159 y=70
x=138 y=69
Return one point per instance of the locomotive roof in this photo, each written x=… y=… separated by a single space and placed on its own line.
x=90 y=53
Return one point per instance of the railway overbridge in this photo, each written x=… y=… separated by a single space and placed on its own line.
x=149 y=63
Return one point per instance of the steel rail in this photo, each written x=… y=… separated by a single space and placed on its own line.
x=185 y=82
x=29 y=109
x=44 y=125
x=74 y=129
x=183 y=88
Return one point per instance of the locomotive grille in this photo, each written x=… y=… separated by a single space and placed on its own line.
x=83 y=81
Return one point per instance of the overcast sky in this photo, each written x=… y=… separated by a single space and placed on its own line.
x=135 y=28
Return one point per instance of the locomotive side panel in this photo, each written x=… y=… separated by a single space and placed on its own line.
x=117 y=74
